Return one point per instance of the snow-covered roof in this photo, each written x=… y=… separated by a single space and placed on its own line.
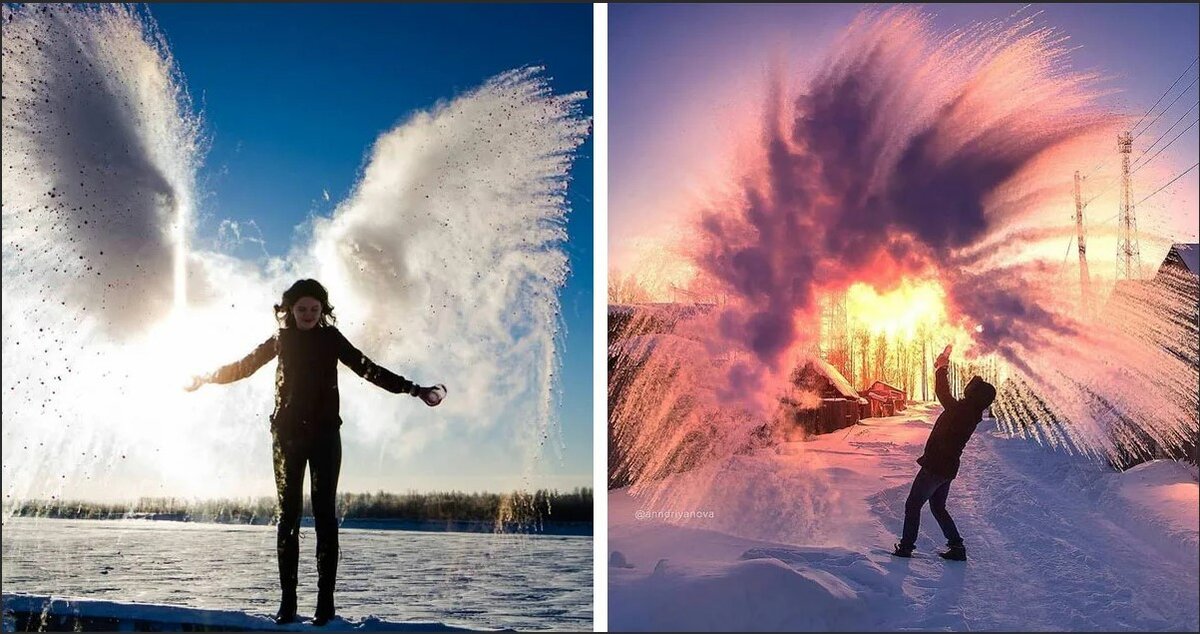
x=885 y=386
x=1189 y=255
x=835 y=378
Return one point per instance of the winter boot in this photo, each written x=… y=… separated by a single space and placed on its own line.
x=289 y=561
x=287 y=608
x=325 y=611
x=903 y=550
x=326 y=578
x=955 y=552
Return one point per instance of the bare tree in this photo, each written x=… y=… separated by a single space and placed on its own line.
x=625 y=289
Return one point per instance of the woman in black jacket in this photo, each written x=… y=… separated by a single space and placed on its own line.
x=304 y=427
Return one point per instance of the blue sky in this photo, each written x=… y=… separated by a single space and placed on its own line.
x=293 y=96
x=675 y=71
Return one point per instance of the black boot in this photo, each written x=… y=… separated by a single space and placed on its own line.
x=326 y=575
x=287 y=609
x=325 y=612
x=903 y=550
x=955 y=552
x=288 y=549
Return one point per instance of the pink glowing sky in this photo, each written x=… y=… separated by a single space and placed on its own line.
x=688 y=84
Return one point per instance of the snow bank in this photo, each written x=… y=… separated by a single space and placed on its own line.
x=26 y=612
x=721 y=597
x=1168 y=494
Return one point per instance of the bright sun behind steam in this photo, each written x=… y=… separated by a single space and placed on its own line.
x=902 y=312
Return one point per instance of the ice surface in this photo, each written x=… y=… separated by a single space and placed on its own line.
x=483 y=581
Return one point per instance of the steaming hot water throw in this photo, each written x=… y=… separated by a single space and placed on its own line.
x=445 y=259
x=914 y=174
x=908 y=194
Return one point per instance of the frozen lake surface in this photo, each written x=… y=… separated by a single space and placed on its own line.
x=473 y=580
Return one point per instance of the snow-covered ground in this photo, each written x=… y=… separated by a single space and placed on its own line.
x=796 y=537
x=29 y=613
x=385 y=579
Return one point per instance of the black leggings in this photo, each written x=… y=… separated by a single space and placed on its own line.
x=322 y=452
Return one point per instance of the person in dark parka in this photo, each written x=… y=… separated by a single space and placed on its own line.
x=305 y=428
x=940 y=462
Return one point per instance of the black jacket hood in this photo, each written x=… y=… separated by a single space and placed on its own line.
x=979 y=393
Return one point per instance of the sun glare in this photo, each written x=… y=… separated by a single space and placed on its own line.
x=902 y=312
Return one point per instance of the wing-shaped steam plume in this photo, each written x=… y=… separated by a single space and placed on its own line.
x=444 y=264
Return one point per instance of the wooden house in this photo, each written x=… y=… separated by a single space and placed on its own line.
x=885 y=399
x=822 y=399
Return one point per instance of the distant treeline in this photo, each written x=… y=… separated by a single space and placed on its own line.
x=523 y=508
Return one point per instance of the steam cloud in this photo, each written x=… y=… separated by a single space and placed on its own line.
x=893 y=160
x=445 y=264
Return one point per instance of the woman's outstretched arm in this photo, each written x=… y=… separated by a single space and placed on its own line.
x=240 y=369
x=367 y=369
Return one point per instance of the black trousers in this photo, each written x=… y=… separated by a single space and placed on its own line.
x=933 y=488
x=321 y=451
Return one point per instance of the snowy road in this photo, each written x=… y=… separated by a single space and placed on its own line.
x=1055 y=542
x=1051 y=548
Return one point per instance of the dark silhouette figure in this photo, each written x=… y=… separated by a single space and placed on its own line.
x=305 y=428
x=940 y=462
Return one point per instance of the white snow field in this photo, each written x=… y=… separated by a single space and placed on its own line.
x=387 y=579
x=797 y=537
x=26 y=613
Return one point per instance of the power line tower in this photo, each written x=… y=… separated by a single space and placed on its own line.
x=1129 y=258
x=1085 y=283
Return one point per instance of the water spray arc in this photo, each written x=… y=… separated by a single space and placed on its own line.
x=180 y=259
x=104 y=277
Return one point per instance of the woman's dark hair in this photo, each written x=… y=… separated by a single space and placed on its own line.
x=298 y=291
